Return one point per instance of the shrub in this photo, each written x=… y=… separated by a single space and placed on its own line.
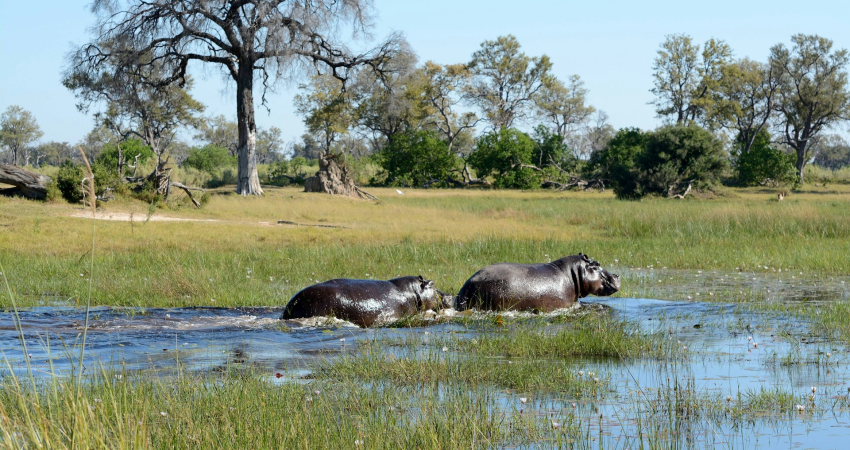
x=616 y=163
x=70 y=177
x=415 y=157
x=499 y=154
x=637 y=164
x=764 y=164
x=676 y=155
x=209 y=158
x=108 y=157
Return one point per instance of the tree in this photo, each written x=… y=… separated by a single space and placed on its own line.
x=505 y=80
x=220 y=132
x=269 y=145
x=309 y=148
x=832 y=152
x=507 y=154
x=138 y=104
x=243 y=38
x=18 y=129
x=94 y=141
x=813 y=93
x=415 y=158
x=745 y=100
x=443 y=91
x=563 y=106
x=763 y=164
x=685 y=79
x=54 y=153
x=389 y=104
x=326 y=109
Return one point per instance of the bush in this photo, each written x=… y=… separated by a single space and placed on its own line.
x=70 y=177
x=636 y=164
x=676 y=155
x=209 y=158
x=108 y=157
x=498 y=154
x=550 y=147
x=413 y=158
x=764 y=165
x=616 y=163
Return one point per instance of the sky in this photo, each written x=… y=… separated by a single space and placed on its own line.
x=610 y=44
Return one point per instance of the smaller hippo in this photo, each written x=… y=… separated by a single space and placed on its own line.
x=536 y=287
x=365 y=302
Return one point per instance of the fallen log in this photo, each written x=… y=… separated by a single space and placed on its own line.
x=26 y=183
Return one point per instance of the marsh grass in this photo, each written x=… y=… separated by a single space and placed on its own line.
x=238 y=255
x=238 y=410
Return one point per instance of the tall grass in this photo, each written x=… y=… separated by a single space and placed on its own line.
x=245 y=410
x=238 y=254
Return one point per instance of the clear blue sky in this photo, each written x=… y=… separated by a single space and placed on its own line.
x=610 y=44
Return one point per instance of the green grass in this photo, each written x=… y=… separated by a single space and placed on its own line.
x=238 y=410
x=238 y=255
x=528 y=355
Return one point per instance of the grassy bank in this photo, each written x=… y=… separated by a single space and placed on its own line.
x=233 y=252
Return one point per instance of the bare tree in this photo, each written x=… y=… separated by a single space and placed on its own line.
x=18 y=129
x=242 y=37
x=813 y=91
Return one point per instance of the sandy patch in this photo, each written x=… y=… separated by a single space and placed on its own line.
x=128 y=217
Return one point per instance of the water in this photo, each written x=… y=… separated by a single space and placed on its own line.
x=725 y=350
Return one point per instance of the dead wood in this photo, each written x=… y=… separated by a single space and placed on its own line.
x=27 y=184
x=687 y=191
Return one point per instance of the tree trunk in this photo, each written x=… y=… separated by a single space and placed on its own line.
x=801 y=159
x=248 y=180
x=29 y=184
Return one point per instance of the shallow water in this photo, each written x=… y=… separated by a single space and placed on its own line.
x=725 y=350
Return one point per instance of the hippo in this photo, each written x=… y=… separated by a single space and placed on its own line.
x=365 y=302
x=536 y=287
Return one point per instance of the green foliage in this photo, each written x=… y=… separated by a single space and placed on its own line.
x=763 y=164
x=638 y=164
x=500 y=154
x=71 y=175
x=209 y=158
x=675 y=155
x=53 y=193
x=297 y=163
x=413 y=158
x=278 y=173
x=549 y=147
x=108 y=157
x=616 y=162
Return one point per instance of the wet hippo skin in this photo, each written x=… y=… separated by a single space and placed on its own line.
x=536 y=287
x=363 y=302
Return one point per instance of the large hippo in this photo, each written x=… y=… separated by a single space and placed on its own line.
x=536 y=287
x=364 y=302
